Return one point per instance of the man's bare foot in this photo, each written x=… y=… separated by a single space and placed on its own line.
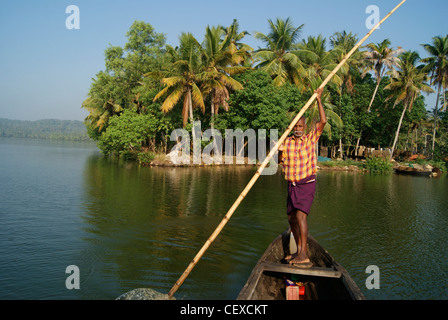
x=300 y=261
x=291 y=256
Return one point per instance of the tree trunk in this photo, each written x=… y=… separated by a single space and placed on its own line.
x=374 y=94
x=212 y=122
x=368 y=110
x=340 y=149
x=190 y=109
x=212 y=111
x=435 y=120
x=190 y=105
x=357 y=143
x=398 y=131
x=185 y=111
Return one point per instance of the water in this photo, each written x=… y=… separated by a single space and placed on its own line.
x=128 y=227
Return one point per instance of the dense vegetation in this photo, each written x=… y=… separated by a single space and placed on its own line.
x=44 y=129
x=377 y=100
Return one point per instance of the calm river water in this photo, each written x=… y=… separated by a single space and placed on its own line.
x=126 y=227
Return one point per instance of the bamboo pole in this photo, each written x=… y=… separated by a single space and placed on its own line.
x=268 y=158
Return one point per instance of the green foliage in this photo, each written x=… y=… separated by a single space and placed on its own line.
x=441 y=148
x=145 y=157
x=227 y=85
x=127 y=134
x=117 y=87
x=261 y=105
x=378 y=164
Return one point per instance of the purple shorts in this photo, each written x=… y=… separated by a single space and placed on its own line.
x=301 y=195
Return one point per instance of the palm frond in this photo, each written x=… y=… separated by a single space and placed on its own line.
x=197 y=98
x=172 y=81
x=172 y=99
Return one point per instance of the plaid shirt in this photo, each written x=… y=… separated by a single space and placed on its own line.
x=299 y=155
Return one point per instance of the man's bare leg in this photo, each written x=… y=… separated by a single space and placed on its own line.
x=295 y=229
x=299 y=228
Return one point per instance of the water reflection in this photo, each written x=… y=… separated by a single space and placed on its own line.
x=126 y=226
x=144 y=225
x=388 y=221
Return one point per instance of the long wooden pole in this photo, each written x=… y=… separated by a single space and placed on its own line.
x=268 y=158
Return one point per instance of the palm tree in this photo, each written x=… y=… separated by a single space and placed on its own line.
x=438 y=64
x=444 y=101
x=277 y=59
x=317 y=61
x=318 y=64
x=219 y=61
x=241 y=53
x=101 y=102
x=184 y=81
x=380 y=57
x=100 y=112
x=406 y=85
x=313 y=113
x=342 y=43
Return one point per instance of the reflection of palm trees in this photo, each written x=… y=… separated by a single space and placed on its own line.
x=132 y=221
x=142 y=225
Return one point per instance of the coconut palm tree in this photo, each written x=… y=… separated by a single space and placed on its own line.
x=444 y=101
x=380 y=58
x=100 y=112
x=313 y=113
x=277 y=58
x=438 y=64
x=185 y=77
x=318 y=62
x=342 y=43
x=241 y=53
x=219 y=62
x=102 y=102
x=406 y=85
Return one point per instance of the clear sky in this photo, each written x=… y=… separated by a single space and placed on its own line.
x=46 y=69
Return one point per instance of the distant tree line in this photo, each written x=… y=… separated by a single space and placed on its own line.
x=44 y=129
x=148 y=89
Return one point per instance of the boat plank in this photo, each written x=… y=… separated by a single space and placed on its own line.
x=327 y=279
x=313 y=271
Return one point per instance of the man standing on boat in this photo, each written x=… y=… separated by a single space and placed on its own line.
x=298 y=153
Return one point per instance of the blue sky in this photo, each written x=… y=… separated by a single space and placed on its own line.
x=46 y=69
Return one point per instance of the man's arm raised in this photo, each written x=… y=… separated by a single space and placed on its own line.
x=322 y=116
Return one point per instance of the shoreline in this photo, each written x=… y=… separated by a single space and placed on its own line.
x=334 y=165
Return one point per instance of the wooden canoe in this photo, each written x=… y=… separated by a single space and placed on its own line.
x=325 y=280
x=412 y=171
